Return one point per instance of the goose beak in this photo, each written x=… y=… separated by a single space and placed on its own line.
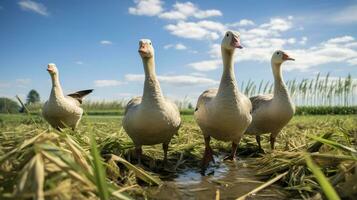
x=236 y=42
x=143 y=48
x=287 y=57
x=50 y=68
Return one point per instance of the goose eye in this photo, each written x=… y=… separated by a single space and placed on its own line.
x=227 y=35
x=150 y=43
x=278 y=53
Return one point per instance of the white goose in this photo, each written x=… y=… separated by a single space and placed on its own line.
x=271 y=112
x=62 y=111
x=150 y=119
x=224 y=114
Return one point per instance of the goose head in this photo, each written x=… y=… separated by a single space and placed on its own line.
x=231 y=41
x=146 y=50
x=52 y=69
x=280 y=57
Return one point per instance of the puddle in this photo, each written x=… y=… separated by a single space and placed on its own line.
x=232 y=179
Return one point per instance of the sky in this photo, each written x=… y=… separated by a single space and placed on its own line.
x=94 y=43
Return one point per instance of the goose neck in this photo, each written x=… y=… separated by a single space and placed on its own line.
x=279 y=84
x=228 y=81
x=152 y=91
x=56 y=87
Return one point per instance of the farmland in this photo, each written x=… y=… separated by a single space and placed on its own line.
x=30 y=149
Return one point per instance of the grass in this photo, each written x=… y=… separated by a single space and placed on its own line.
x=300 y=110
x=67 y=165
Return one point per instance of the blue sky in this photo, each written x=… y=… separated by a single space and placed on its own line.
x=94 y=44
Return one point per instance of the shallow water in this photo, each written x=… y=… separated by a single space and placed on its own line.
x=232 y=179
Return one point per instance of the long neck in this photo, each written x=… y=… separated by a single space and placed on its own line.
x=152 y=91
x=280 y=89
x=56 y=91
x=228 y=83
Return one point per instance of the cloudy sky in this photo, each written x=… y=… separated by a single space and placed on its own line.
x=94 y=44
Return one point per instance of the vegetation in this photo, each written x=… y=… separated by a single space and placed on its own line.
x=326 y=110
x=8 y=105
x=318 y=91
x=317 y=96
x=33 y=97
x=39 y=162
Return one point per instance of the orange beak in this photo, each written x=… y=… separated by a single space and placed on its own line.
x=143 y=48
x=49 y=68
x=236 y=43
x=286 y=57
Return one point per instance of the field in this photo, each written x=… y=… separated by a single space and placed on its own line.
x=39 y=161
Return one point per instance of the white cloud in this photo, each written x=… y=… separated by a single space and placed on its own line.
x=32 y=6
x=213 y=26
x=278 y=24
x=303 y=40
x=291 y=41
x=198 y=74
x=242 y=22
x=146 y=7
x=207 y=13
x=107 y=83
x=206 y=65
x=182 y=11
x=79 y=62
x=261 y=41
x=168 y=46
x=134 y=77
x=351 y=45
x=347 y=15
x=106 y=42
x=176 y=80
x=178 y=46
x=352 y=61
x=193 y=30
x=342 y=39
x=321 y=54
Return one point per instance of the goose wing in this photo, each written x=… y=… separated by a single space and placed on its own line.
x=205 y=97
x=260 y=100
x=132 y=103
x=78 y=96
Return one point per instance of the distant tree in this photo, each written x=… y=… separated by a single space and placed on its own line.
x=190 y=106
x=33 y=97
x=8 y=106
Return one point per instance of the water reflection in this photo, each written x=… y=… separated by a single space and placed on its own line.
x=232 y=179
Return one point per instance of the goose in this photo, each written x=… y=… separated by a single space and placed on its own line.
x=271 y=112
x=62 y=111
x=224 y=114
x=150 y=119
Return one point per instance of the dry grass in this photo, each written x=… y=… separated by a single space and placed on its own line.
x=39 y=162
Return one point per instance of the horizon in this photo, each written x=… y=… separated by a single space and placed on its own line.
x=92 y=42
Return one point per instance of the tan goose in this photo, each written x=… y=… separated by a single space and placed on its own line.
x=62 y=111
x=150 y=119
x=271 y=112
x=224 y=114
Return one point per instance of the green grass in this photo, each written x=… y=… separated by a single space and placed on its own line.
x=300 y=110
x=81 y=169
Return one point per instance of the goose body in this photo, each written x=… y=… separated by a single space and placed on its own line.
x=151 y=124
x=224 y=113
x=151 y=119
x=62 y=111
x=271 y=112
